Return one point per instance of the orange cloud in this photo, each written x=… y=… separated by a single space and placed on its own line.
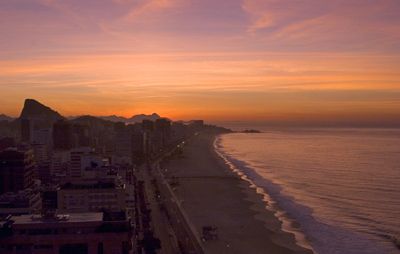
x=208 y=85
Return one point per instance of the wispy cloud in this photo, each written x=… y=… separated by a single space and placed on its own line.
x=149 y=7
x=326 y=24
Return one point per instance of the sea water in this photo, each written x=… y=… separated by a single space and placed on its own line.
x=342 y=186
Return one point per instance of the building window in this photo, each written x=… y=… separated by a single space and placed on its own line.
x=44 y=246
x=100 y=248
x=74 y=248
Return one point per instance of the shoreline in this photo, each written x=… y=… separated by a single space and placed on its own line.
x=212 y=194
x=288 y=224
x=327 y=233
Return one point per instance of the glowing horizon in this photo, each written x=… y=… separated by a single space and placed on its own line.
x=216 y=60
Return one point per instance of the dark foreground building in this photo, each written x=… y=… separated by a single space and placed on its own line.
x=17 y=170
x=76 y=233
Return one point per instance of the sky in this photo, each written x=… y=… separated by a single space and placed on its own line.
x=268 y=60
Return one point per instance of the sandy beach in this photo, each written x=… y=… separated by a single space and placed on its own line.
x=212 y=195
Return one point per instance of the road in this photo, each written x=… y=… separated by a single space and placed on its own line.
x=160 y=224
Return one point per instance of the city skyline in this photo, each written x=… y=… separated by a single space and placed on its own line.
x=199 y=126
x=214 y=60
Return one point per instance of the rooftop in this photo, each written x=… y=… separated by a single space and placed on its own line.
x=61 y=218
x=90 y=185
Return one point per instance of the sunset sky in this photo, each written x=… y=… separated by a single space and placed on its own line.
x=213 y=59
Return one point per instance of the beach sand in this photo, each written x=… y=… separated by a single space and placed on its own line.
x=213 y=195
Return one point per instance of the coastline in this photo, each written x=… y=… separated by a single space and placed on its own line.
x=287 y=224
x=214 y=195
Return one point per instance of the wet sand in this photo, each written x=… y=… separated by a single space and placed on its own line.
x=213 y=195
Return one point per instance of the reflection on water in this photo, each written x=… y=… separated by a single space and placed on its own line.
x=349 y=178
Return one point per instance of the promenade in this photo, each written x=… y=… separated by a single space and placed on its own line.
x=167 y=221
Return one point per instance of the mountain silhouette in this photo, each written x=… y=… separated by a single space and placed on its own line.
x=141 y=117
x=89 y=120
x=34 y=110
x=37 y=111
x=6 y=118
x=133 y=119
x=114 y=118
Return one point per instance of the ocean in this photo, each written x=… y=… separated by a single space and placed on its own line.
x=341 y=187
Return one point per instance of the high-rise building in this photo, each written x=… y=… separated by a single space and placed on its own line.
x=41 y=157
x=41 y=136
x=148 y=136
x=49 y=200
x=163 y=130
x=41 y=144
x=137 y=144
x=59 y=165
x=80 y=135
x=123 y=142
x=41 y=153
x=85 y=163
x=26 y=130
x=62 y=135
x=76 y=164
x=22 y=202
x=17 y=170
x=91 y=196
x=6 y=143
x=148 y=125
x=178 y=131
